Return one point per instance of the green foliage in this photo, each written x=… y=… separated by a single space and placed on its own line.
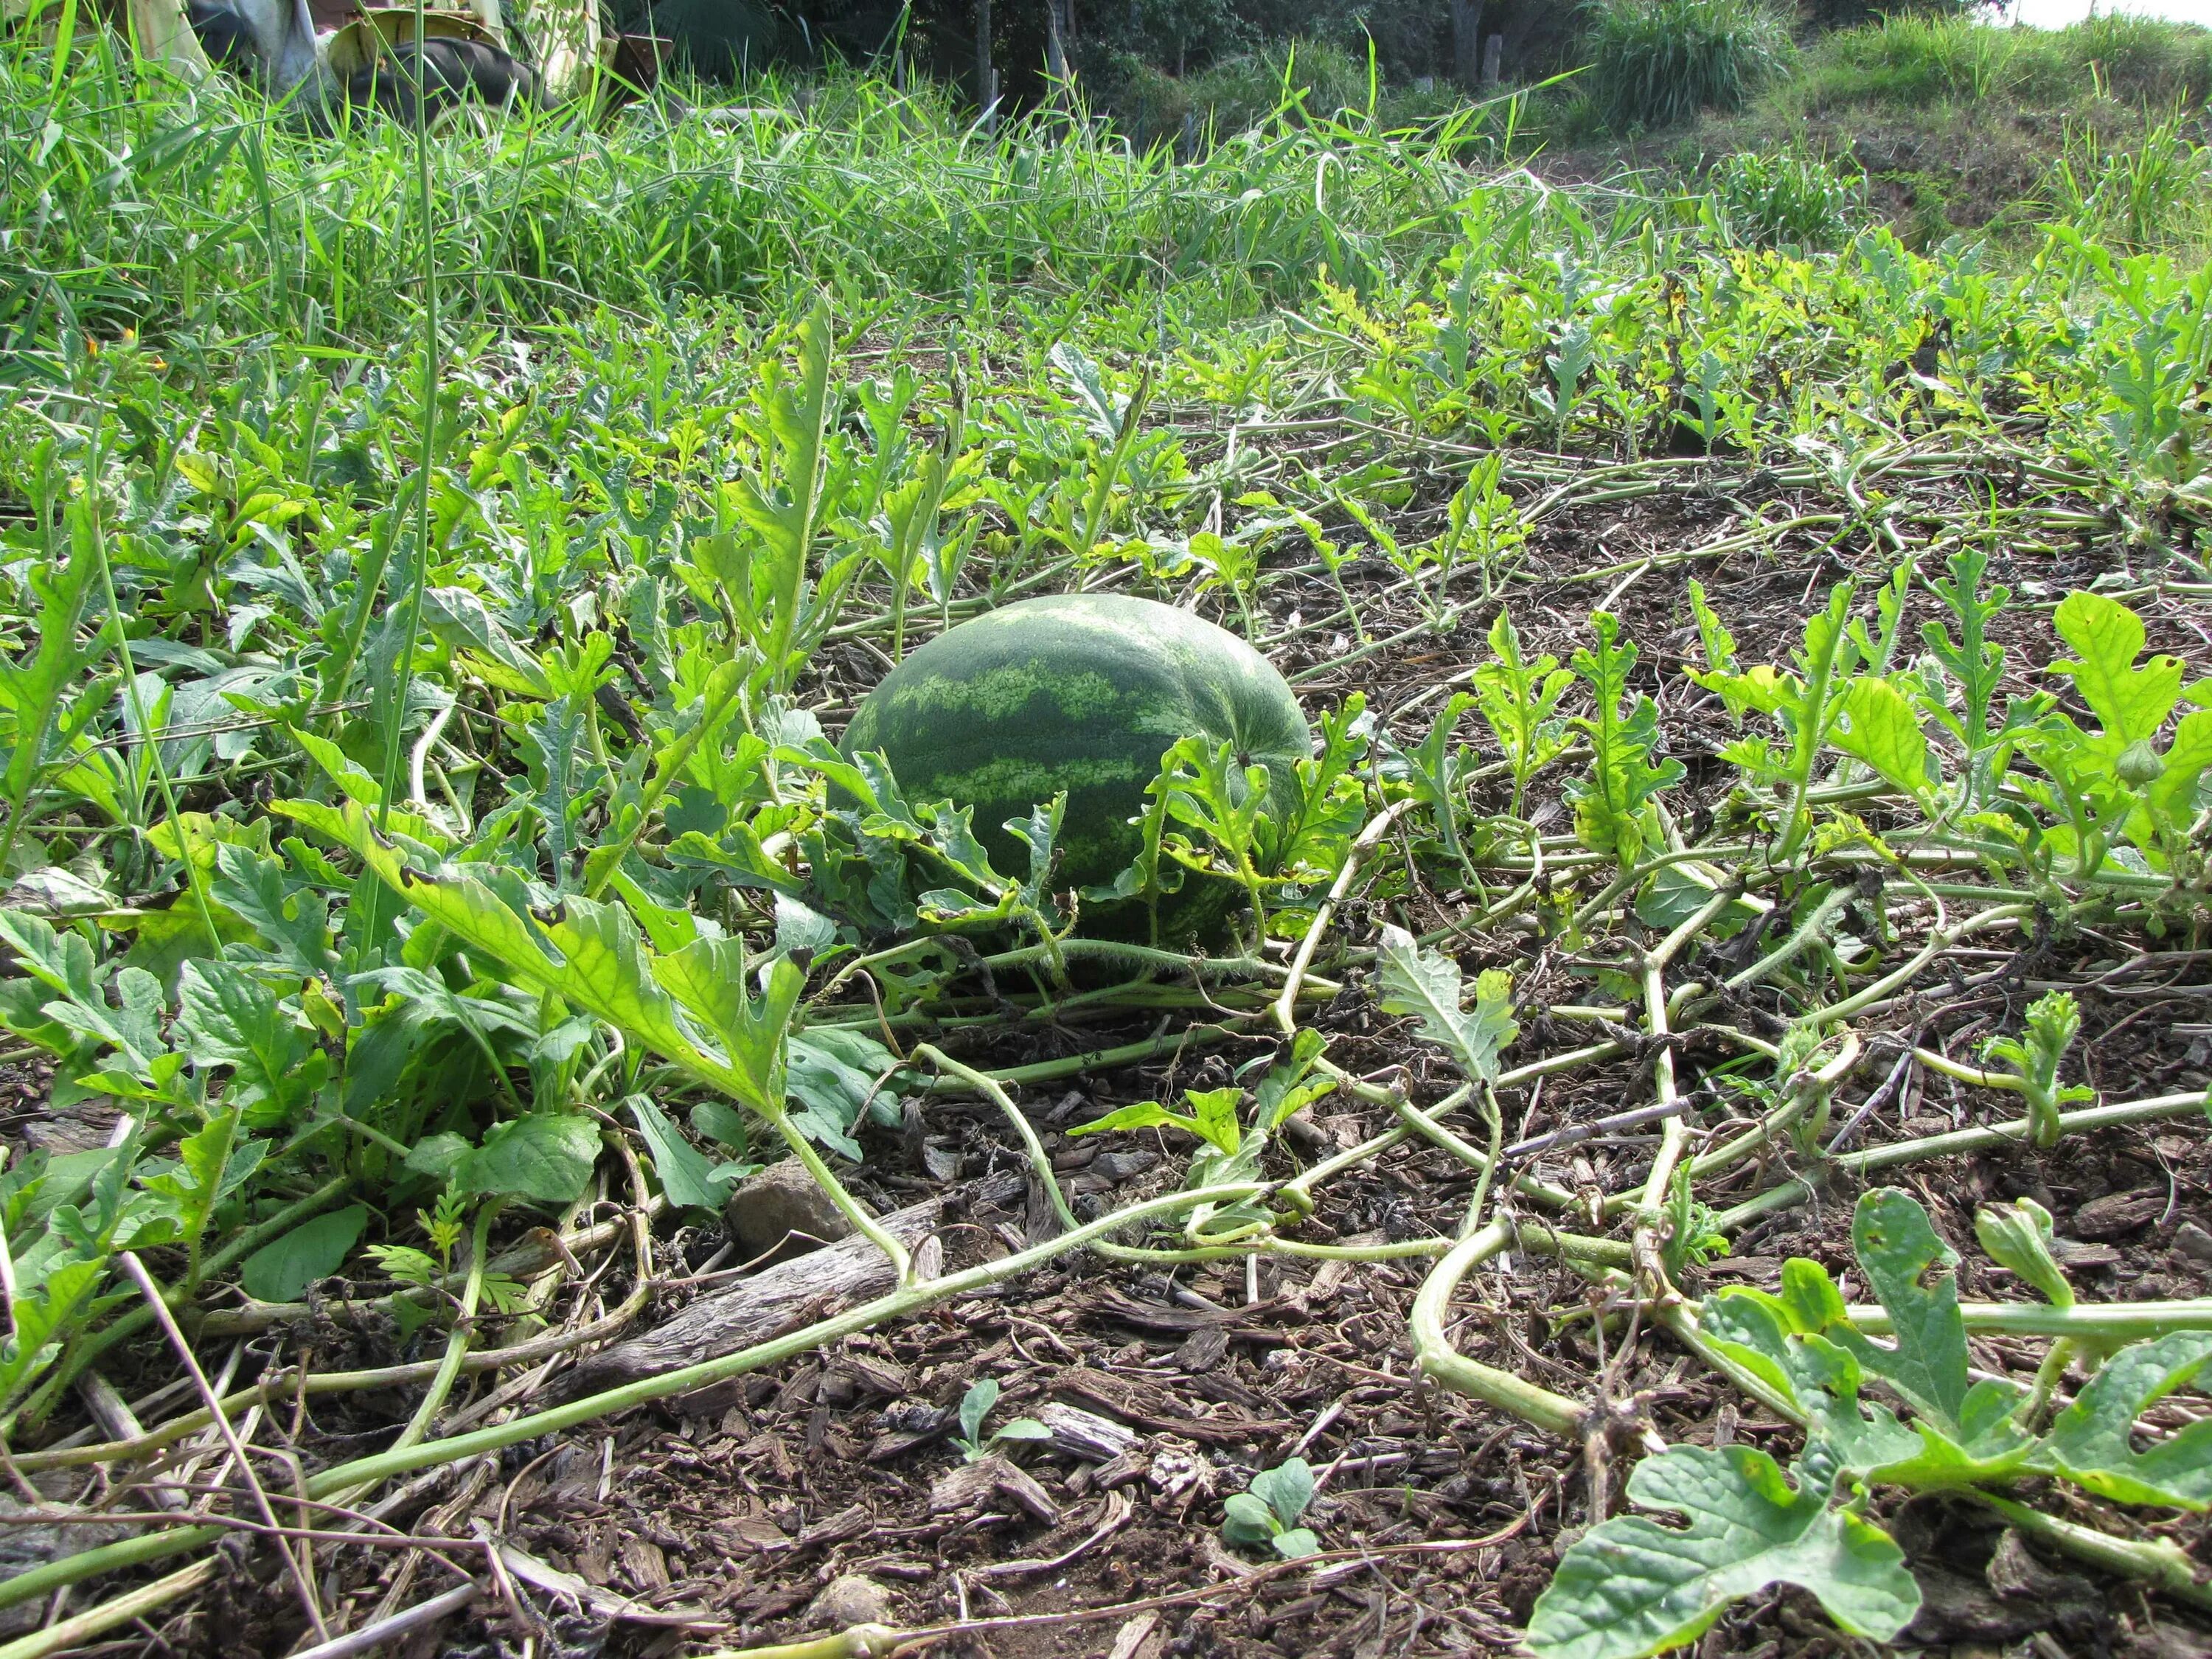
x=1635 y=1586
x=1655 y=62
x=1785 y=199
x=1612 y=799
x=719 y=396
x=1212 y=1119
x=281 y=1270
x=1427 y=986
x=1520 y=701
x=1632 y=1587
x=2017 y=1236
x=975 y=1406
x=1268 y=1513
x=2054 y=1020
x=1912 y=58
x=1824 y=705
x=1438 y=775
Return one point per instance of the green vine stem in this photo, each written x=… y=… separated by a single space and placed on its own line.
x=405 y=1460
x=850 y=1207
x=2160 y=1561
x=70 y=1634
x=854 y=1642
x=1434 y=1353
x=2099 y=1324
x=292 y=1384
x=1791 y=1193
x=1376 y=827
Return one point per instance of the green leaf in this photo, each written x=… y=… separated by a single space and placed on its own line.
x=1436 y=772
x=1632 y=1587
x=1427 y=984
x=1331 y=804
x=349 y=775
x=1613 y=811
x=1214 y=1119
x=225 y=1017
x=975 y=1406
x=1022 y=1428
x=1295 y=1542
x=547 y=1157
x=2054 y=1020
x=2092 y=1444
x=1714 y=640
x=1288 y=1087
x=2017 y=1237
x=35 y=690
x=836 y=1076
x=685 y=1174
x=552 y=744
x=721 y=1123
x=1100 y=407
x=280 y=1270
x=1286 y=1489
x=1248 y=1520
x=2130 y=704
x=1910 y=1268
x=1876 y=725
x=438 y=1156
x=293 y=922
x=1143 y=1115
x=593 y=955
x=42 y=1317
x=404 y=1263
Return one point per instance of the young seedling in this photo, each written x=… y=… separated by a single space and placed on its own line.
x=2053 y=1022
x=1268 y=1512
x=975 y=1406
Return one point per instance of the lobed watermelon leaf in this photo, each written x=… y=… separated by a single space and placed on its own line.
x=1632 y=1587
x=1422 y=983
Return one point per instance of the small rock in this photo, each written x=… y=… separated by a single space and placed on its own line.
x=849 y=1599
x=2192 y=1241
x=780 y=1201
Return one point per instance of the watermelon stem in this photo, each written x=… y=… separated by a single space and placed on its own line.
x=850 y=1207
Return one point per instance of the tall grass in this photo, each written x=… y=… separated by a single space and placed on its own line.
x=1913 y=60
x=134 y=201
x=1655 y=62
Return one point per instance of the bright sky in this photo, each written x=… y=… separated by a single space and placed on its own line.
x=2056 y=13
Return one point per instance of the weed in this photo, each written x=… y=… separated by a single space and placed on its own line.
x=974 y=1407
x=1268 y=1513
x=1656 y=62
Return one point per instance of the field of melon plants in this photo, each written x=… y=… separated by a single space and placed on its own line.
x=1671 y=1110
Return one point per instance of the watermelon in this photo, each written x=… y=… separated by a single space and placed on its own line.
x=1084 y=693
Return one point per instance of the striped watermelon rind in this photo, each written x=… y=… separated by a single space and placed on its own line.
x=1084 y=693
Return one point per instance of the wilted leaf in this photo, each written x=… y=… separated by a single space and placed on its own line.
x=1422 y=983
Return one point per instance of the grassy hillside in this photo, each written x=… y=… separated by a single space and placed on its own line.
x=1955 y=125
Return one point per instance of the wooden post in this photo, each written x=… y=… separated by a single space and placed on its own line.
x=1493 y=59
x=986 y=78
x=1467 y=42
x=1057 y=27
